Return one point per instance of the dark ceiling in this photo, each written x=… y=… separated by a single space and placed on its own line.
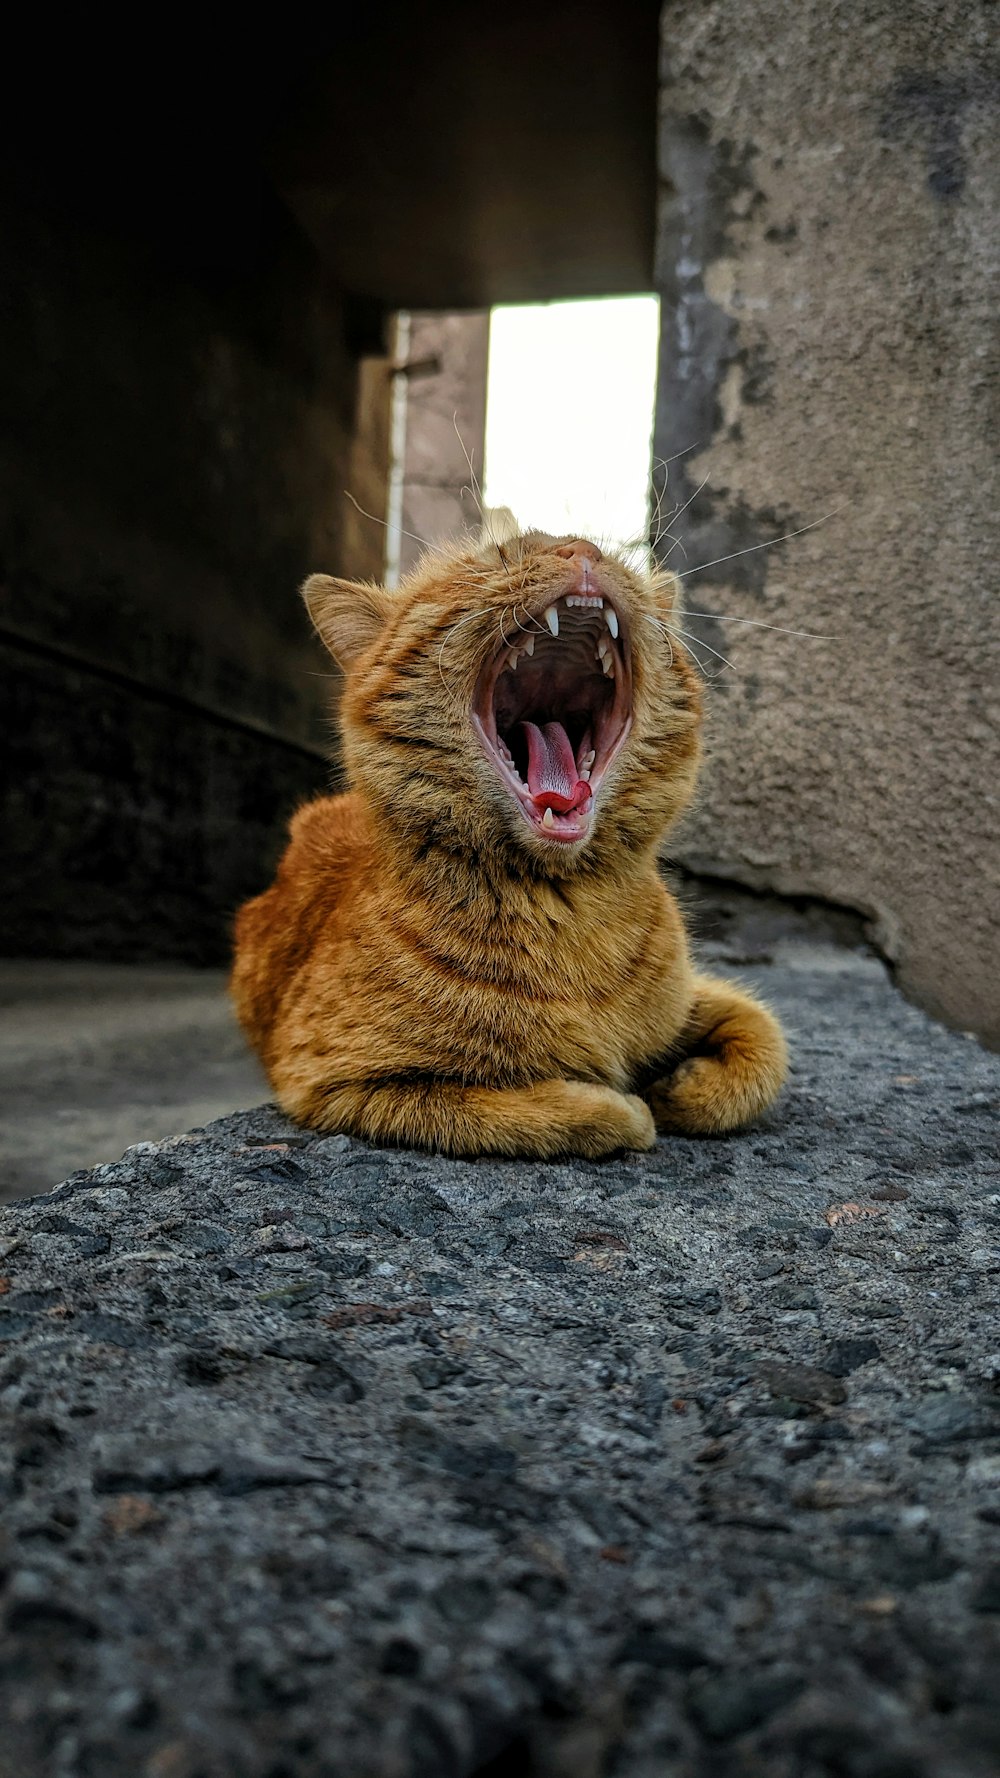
x=481 y=154
x=438 y=156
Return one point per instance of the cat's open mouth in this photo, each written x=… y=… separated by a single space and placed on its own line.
x=554 y=706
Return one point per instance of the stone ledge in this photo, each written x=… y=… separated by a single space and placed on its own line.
x=328 y=1461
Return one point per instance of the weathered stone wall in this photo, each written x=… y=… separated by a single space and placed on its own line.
x=828 y=261
x=176 y=435
x=445 y=427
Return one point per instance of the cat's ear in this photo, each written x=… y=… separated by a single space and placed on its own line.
x=347 y=615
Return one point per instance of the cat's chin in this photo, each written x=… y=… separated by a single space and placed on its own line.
x=553 y=710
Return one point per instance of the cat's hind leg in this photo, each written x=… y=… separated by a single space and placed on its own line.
x=550 y=1117
x=733 y=1063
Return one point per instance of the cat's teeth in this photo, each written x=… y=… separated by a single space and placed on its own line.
x=548 y=820
x=611 y=619
x=529 y=646
x=512 y=661
x=588 y=760
x=585 y=774
x=607 y=657
x=552 y=619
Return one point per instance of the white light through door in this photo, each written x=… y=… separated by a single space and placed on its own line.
x=569 y=415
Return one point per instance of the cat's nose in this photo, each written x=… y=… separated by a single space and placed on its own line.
x=579 y=551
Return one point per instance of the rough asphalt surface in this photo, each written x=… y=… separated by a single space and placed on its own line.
x=320 y=1461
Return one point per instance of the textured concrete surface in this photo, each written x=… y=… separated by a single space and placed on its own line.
x=95 y=1057
x=320 y=1459
x=828 y=263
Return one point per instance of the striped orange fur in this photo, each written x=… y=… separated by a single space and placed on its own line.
x=473 y=949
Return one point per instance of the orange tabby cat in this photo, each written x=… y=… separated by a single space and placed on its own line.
x=473 y=950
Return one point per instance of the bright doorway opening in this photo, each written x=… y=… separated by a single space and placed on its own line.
x=570 y=395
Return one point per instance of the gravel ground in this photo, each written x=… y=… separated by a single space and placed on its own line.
x=325 y=1460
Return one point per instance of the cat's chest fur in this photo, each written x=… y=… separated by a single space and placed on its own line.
x=495 y=988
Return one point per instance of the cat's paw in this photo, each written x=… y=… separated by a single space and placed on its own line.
x=685 y=1103
x=701 y=1098
x=601 y=1121
x=737 y=1070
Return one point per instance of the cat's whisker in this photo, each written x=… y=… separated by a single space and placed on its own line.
x=723 y=617
x=384 y=522
x=536 y=626
x=675 y=543
x=697 y=642
x=503 y=635
x=531 y=627
x=663 y=532
x=685 y=451
x=469 y=617
x=655 y=529
x=678 y=513
x=474 y=486
x=767 y=544
x=664 y=634
x=477 y=492
x=658 y=525
x=658 y=493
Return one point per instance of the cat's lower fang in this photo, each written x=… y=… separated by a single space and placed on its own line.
x=521 y=649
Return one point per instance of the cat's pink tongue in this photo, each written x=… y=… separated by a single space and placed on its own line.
x=552 y=775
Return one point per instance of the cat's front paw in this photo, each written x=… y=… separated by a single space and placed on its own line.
x=602 y=1121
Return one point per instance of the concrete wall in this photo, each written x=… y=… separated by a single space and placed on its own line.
x=828 y=259
x=175 y=439
x=445 y=418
